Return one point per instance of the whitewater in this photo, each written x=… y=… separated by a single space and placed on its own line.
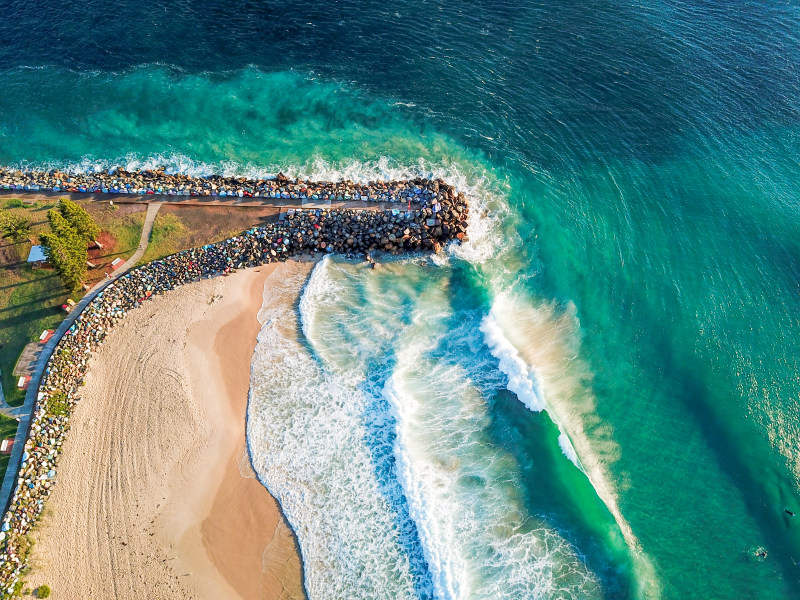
x=370 y=420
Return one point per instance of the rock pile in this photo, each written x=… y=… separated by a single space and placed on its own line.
x=340 y=230
x=158 y=181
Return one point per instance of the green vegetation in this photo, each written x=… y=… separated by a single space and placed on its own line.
x=14 y=203
x=66 y=251
x=15 y=227
x=72 y=228
x=23 y=553
x=31 y=298
x=8 y=429
x=179 y=228
x=60 y=227
x=80 y=220
x=15 y=592
x=43 y=591
x=30 y=302
x=168 y=230
x=125 y=229
x=57 y=404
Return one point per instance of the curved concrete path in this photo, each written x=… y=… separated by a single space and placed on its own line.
x=24 y=413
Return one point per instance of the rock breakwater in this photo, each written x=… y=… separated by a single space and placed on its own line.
x=158 y=181
x=440 y=220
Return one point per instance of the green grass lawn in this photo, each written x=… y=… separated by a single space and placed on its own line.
x=33 y=305
x=179 y=228
x=168 y=231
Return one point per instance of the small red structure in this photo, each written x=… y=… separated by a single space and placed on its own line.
x=117 y=263
x=6 y=446
x=46 y=335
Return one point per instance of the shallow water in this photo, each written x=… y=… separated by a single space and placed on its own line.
x=599 y=395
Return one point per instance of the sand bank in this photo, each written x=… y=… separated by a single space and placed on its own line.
x=155 y=496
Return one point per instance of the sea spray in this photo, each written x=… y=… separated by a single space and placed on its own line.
x=456 y=512
x=522 y=380
x=538 y=351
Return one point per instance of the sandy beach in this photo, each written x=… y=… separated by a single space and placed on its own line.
x=155 y=495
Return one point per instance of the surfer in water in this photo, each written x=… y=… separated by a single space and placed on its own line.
x=788 y=512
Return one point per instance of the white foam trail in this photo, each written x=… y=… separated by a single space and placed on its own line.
x=461 y=489
x=568 y=449
x=320 y=288
x=549 y=352
x=522 y=380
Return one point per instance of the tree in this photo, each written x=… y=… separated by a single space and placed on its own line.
x=62 y=228
x=15 y=227
x=81 y=221
x=65 y=250
x=66 y=259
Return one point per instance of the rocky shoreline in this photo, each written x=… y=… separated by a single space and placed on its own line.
x=429 y=227
x=158 y=181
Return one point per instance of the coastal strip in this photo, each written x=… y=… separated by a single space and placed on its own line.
x=429 y=226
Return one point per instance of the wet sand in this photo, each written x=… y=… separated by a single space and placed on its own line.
x=155 y=496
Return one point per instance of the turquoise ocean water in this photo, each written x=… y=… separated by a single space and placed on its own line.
x=598 y=396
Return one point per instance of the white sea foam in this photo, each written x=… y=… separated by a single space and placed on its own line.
x=568 y=449
x=462 y=490
x=306 y=434
x=537 y=349
x=522 y=379
x=363 y=421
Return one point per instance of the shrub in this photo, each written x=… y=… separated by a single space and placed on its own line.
x=15 y=227
x=43 y=591
x=65 y=250
x=14 y=203
x=57 y=404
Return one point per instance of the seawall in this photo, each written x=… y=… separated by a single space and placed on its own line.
x=159 y=182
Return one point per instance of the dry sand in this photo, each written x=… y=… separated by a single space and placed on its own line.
x=155 y=495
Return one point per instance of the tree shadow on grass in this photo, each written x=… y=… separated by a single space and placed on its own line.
x=29 y=282
x=43 y=311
